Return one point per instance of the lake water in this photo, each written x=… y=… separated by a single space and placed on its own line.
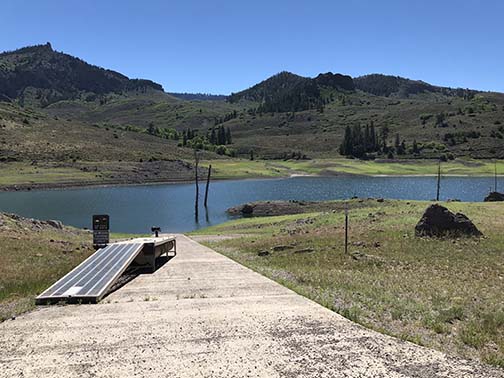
x=171 y=206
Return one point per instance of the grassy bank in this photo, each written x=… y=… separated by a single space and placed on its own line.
x=445 y=294
x=47 y=175
x=19 y=175
x=278 y=168
x=34 y=255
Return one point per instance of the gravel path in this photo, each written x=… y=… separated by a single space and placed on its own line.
x=203 y=315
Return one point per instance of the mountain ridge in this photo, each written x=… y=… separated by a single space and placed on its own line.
x=45 y=76
x=284 y=115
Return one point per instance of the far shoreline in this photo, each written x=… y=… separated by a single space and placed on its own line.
x=89 y=185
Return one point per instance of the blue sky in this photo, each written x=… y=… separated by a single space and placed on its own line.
x=223 y=46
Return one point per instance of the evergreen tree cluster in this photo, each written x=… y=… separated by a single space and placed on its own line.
x=215 y=139
x=166 y=133
x=359 y=142
x=284 y=92
x=227 y=117
x=220 y=137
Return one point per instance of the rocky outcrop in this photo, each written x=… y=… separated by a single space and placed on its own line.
x=30 y=223
x=438 y=221
x=494 y=197
x=336 y=81
x=54 y=223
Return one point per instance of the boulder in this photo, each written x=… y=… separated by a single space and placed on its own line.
x=55 y=223
x=439 y=221
x=247 y=209
x=494 y=197
x=278 y=248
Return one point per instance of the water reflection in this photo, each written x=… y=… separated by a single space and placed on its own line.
x=171 y=206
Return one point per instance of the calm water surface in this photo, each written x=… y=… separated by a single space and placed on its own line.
x=136 y=208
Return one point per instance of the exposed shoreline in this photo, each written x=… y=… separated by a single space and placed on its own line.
x=119 y=183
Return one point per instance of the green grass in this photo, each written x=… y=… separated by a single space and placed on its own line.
x=33 y=258
x=445 y=294
x=109 y=172
x=239 y=168
x=21 y=173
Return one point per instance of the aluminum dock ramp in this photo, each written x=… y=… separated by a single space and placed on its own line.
x=94 y=277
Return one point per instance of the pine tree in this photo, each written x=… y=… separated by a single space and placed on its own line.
x=384 y=136
x=184 y=138
x=403 y=147
x=358 y=142
x=347 y=145
x=213 y=137
x=228 y=136
x=151 y=129
x=221 y=136
x=367 y=139
x=415 y=147
x=374 y=143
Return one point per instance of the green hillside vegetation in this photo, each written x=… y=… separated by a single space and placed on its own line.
x=443 y=293
x=242 y=168
x=37 y=150
x=440 y=124
x=59 y=112
x=39 y=75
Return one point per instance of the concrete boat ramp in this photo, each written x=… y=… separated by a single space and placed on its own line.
x=203 y=315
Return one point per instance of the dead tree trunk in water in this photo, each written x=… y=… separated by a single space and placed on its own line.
x=207 y=184
x=495 y=176
x=438 y=180
x=196 y=158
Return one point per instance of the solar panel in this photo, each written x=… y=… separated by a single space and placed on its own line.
x=93 y=278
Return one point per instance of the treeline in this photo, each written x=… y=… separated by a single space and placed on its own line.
x=364 y=142
x=283 y=92
x=460 y=137
x=227 y=117
x=358 y=142
x=216 y=139
x=215 y=136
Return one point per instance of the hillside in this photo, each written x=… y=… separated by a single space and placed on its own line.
x=57 y=109
x=384 y=85
x=39 y=150
x=288 y=115
x=39 y=75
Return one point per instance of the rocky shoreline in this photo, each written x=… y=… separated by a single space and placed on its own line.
x=275 y=208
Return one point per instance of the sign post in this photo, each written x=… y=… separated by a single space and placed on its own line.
x=101 y=233
x=346 y=229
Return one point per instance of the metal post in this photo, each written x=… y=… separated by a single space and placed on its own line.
x=196 y=158
x=346 y=230
x=438 y=180
x=208 y=184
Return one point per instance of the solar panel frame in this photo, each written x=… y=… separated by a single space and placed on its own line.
x=101 y=269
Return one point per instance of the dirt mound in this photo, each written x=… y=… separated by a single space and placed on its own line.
x=439 y=221
x=494 y=197
x=273 y=208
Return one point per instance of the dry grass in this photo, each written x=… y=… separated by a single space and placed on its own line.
x=445 y=294
x=32 y=257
